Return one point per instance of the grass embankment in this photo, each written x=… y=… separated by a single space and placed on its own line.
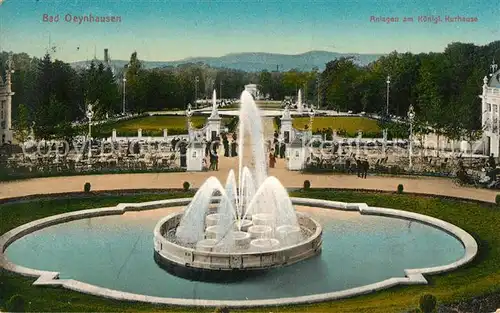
x=347 y=124
x=154 y=125
x=479 y=277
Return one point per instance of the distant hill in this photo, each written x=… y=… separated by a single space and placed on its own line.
x=258 y=61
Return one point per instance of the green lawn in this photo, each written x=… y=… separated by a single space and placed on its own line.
x=349 y=124
x=479 y=277
x=154 y=125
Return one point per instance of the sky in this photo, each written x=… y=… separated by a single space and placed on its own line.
x=167 y=30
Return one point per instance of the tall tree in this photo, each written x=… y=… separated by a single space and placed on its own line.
x=22 y=125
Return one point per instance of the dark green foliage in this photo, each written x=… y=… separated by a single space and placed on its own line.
x=86 y=187
x=307 y=185
x=400 y=188
x=443 y=87
x=15 y=304
x=427 y=303
x=186 y=186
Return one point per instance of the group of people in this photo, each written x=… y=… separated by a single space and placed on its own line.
x=230 y=149
x=211 y=148
x=278 y=151
x=362 y=167
x=173 y=143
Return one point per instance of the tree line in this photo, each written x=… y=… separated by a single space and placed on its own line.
x=443 y=87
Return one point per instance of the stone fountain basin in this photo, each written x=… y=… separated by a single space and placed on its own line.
x=213 y=219
x=288 y=234
x=245 y=225
x=260 y=231
x=262 y=255
x=215 y=231
x=262 y=219
x=264 y=244
x=241 y=238
x=206 y=245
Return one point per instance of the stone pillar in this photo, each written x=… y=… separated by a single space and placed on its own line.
x=165 y=134
x=358 y=140
x=7 y=96
x=297 y=156
x=194 y=157
x=484 y=104
x=286 y=129
x=139 y=133
x=113 y=135
x=384 y=140
x=213 y=128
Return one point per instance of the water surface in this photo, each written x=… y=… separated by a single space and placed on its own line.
x=116 y=252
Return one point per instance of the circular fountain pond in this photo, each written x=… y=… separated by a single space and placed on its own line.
x=115 y=252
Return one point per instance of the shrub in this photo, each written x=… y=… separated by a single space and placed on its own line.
x=497 y=199
x=186 y=186
x=222 y=309
x=307 y=185
x=15 y=304
x=395 y=170
x=86 y=187
x=427 y=303
x=400 y=188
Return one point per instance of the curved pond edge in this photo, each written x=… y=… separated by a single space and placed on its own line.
x=413 y=276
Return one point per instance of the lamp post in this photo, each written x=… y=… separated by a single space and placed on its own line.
x=90 y=115
x=411 y=118
x=124 y=95
x=220 y=90
x=388 y=81
x=189 y=113
x=196 y=81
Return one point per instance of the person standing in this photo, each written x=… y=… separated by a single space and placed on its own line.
x=216 y=161
x=491 y=161
x=358 y=167
x=207 y=148
x=183 y=151
x=272 y=159
x=234 y=147
x=348 y=166
x=211 y=158
x=282 y=150
x=225 y=143
x=366 y=167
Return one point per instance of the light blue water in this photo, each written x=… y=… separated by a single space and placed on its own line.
x=116 y=252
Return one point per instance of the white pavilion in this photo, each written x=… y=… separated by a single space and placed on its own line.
x=490 y=116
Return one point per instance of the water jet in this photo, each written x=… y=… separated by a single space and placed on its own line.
x=251 y=225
